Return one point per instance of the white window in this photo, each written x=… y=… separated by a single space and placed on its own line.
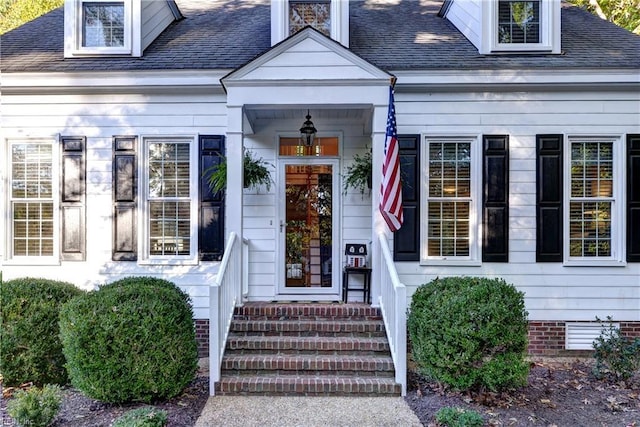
x=171 y=199
x=521 y=26
x=450 y=225
x=593 y=217
x=330 y=17
x=314 y=13
x=32 y=200
x=102 y=27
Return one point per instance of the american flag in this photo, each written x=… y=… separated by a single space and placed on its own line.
x=391 y=188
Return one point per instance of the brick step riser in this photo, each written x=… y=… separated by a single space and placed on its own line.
x=284 y=364
x=228 y=373
x=305 y=352
x=309 y=387
x=345 y=312
x=320 y=346
x=290 y=327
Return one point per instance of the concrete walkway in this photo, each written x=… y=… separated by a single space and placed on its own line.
x=285 y=411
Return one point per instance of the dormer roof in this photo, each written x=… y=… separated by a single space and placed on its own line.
x=393 y=36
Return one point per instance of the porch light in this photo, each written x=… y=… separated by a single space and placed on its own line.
x=308 y=131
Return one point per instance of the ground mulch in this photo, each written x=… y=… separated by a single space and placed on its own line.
x=558 y=393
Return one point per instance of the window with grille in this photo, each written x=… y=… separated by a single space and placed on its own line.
x=314 y=13
x=591 y=198
x=31 y=199
x=103 y=24
x=519 y=21
x=450 y=223
x=169 y=198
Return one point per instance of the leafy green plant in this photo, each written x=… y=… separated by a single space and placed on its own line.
x=36 y=407
x=615 y=353
x=29 y=344
x=358 y=174
x=470 y=332
x=142 y=417
x=458 y=417
x=256 y=173
x=132 y=340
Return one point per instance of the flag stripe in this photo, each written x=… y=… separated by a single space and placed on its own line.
x=391 y=188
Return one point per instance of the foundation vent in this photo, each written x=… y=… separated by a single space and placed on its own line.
x=580 y=336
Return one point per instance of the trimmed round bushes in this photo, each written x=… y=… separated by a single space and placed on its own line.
x=470 y=333
x=30 y=346
x=132 y=340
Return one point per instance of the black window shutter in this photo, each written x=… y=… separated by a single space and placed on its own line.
x=633 y=198
x=495 y=198
x=211 y=216
x=549 y=198
x=125 y=189
x=73 y=198
x=406 y=241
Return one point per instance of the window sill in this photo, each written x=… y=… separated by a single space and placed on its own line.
x=31 y=262
x=449 y=262
x=172 y=261
x=594 y=263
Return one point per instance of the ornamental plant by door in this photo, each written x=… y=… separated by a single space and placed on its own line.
x=358 y=174
x=256 y=173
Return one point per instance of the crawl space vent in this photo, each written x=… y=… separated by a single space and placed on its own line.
x=580 y=336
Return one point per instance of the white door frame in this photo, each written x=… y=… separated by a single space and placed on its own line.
x=316 y=293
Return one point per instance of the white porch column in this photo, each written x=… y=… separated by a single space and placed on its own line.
x=233 y=197
x=379 y=128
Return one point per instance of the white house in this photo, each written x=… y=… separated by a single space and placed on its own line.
x=518 y=123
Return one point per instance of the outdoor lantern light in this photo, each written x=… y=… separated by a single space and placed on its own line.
x=308 y=131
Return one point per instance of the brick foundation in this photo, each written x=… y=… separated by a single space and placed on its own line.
x=202 y=337
x=548 y=338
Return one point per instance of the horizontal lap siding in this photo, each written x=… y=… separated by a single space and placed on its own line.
x=551 y=290
x=99 y=117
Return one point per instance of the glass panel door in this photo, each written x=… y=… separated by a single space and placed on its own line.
x=308 y=219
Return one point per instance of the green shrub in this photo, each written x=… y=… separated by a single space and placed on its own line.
x=35 y=407
x=142 y=417
x=128 y=342
x=615 y=353
x=470 y=333
x=29 y=344
x=458 y=417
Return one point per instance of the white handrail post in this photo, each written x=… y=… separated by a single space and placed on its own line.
x=214 y=343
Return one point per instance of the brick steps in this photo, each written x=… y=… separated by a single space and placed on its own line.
x=306 y=345
x=307 y=349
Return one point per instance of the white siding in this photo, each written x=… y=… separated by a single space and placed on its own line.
x=552 y=291
x=466 y=15
x=156 y=16
x=99 y=117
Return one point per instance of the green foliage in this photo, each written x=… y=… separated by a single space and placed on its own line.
x=29 y=344
x=132 y=340
x=142 y=417
x=470 y=333
x=624 y=13
x=358 y=174
x=256 y=173
x=615 y=353
x=458 y=417
x=14 y=13
x=35 y=407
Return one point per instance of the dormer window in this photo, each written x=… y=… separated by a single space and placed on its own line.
x=102 y=27
x=314 y=13
x=523 y=25
x=518 y=22
x=330 y=17
x=103 y=24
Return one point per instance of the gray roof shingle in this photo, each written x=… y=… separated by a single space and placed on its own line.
x=405 y=35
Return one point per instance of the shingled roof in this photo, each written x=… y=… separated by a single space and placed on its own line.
x=394 y=36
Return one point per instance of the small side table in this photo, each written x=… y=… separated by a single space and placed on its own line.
x=366 y=289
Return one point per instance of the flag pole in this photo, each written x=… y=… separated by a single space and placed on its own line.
x=393 y=81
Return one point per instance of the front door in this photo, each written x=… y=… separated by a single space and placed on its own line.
x=309 y=213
